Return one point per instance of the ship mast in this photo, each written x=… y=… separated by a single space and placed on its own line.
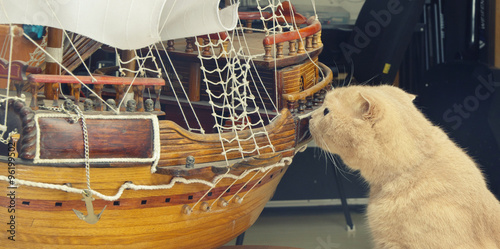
x=129 y=57
x=55 y=48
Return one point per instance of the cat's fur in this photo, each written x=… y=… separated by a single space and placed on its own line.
x=425 y=192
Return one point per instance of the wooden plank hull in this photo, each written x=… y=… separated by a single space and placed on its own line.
x=176 y=146
x=140 y=218
x=43 y=211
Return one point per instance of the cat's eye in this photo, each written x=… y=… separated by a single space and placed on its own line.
x=326 y=111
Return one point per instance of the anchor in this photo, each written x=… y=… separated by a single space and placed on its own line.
x=90 y=218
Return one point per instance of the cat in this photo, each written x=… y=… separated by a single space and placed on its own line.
x=425 y=191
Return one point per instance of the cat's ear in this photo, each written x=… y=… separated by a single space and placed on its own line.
x=368 y=108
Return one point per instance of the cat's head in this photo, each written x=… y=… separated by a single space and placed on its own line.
x=357 y=122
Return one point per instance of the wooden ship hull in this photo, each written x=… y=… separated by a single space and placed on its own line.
x=161 y=218
x=146 y=192
x=44 y=218
x=143 y=219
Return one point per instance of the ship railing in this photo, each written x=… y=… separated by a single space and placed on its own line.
x=299 y=41
x=120 y=84
x=285 y=13
x=308 y=98
x=250 y=17
x=205 y=40
x=19 y=71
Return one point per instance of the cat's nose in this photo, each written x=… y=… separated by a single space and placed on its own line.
x=326 y=111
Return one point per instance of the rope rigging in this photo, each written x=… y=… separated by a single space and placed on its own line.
x=243 y=96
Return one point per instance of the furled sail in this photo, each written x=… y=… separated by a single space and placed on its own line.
x=124 y=24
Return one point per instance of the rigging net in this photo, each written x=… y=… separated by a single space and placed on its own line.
x=240 y=83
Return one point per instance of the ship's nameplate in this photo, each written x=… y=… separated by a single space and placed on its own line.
x=113 y=138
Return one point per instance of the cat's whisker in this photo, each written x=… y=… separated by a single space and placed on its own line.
x=343 y=172
x=331 y=157
x=336 y=163
x=319 y=153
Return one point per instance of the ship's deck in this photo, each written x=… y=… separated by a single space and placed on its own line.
x=251 y=44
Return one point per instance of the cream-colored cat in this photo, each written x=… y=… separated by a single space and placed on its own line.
x=425 y=192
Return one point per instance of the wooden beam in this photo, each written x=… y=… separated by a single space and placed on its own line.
x=54 y=43
x=311 y=29
x=99 y=80
x=127 y=55
x=194 y=82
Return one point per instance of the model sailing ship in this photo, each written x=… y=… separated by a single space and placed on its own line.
x=189 y=161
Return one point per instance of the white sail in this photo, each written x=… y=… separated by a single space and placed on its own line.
x=124 y=24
